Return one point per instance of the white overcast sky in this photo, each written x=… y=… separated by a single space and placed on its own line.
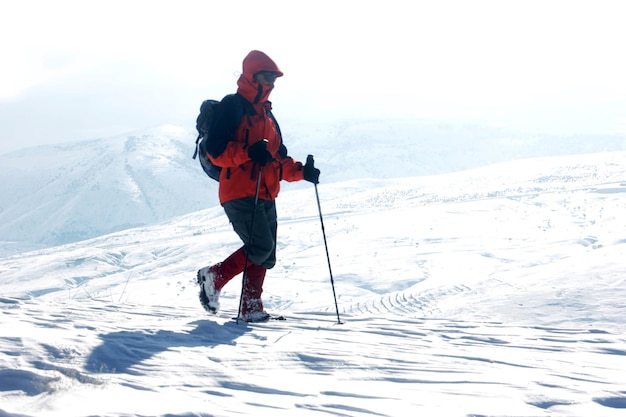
x=74 y=70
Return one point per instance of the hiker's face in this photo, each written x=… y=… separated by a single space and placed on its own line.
x=266 y=78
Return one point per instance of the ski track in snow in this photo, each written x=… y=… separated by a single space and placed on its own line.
x=496 y=292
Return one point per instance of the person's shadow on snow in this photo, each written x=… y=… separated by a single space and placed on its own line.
x=119 y=351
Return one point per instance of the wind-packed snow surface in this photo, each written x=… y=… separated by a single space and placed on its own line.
x=492 y=292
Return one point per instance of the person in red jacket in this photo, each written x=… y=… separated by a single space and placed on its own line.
x=246 y=149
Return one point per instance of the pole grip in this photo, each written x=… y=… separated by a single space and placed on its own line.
x=310 y=160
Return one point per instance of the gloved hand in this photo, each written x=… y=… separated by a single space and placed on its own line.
x=258 y=152
x=311 y=174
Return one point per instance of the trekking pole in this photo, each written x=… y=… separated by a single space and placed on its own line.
x=245 y=266
x=309 y=159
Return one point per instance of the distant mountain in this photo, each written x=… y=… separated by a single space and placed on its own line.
x=52 y=195
x=354 y=149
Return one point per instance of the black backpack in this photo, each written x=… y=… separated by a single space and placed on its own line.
x=209 y=112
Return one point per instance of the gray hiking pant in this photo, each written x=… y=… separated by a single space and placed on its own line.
x=260 y=243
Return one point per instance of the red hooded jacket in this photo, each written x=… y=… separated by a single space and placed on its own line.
x=238 y=178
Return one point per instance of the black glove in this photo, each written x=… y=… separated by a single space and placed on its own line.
x=258 y=153
x=311 y=174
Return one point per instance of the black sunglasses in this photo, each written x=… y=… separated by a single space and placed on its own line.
x=268 y=75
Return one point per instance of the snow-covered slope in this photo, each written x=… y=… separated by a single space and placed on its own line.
x=58 y=194
x=52 y=195
x=497 y=291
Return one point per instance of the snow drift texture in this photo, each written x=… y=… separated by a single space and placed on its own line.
x=497 y=291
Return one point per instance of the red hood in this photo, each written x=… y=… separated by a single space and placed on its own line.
x=254 y=62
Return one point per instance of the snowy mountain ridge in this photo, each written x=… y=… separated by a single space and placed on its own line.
x=70 y=192
x=51 y=195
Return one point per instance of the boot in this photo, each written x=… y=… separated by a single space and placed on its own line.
x=209 y=294
x=213 y=278
x=252 y=305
